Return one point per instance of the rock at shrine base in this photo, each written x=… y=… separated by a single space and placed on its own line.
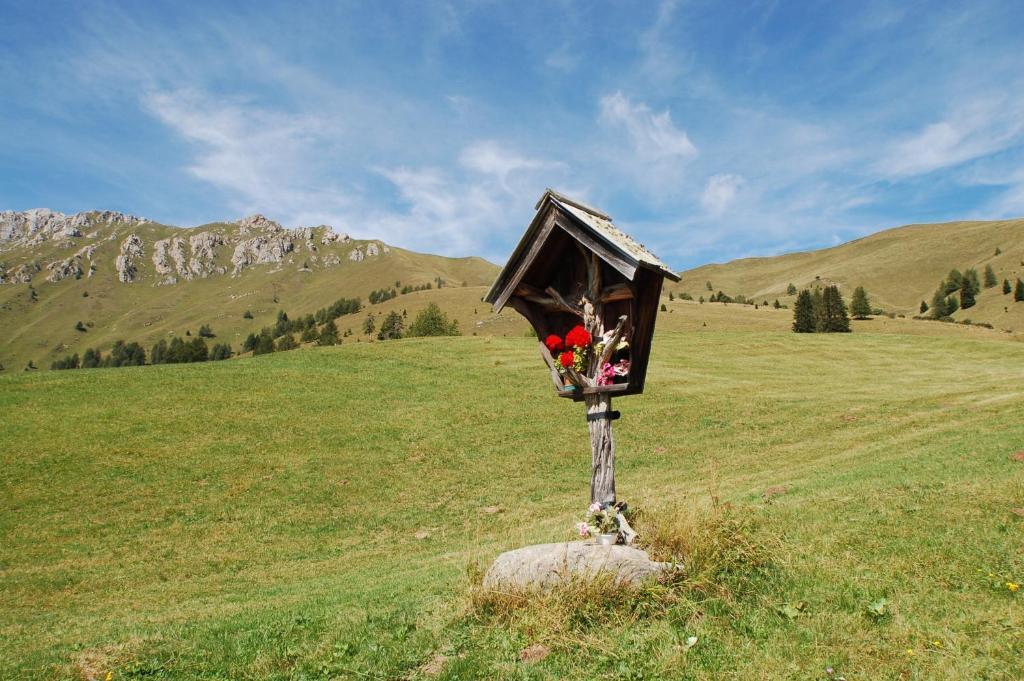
x=547 y=565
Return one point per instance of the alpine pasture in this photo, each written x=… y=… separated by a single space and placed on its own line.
x=847 y=502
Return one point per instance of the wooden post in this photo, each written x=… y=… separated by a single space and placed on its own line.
x=602 y=448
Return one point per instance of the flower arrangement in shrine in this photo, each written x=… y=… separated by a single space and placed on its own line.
x=578 y=348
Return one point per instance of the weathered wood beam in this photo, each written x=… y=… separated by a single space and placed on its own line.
x=616 y=292
x=564 y=304
x=550 y=361
x=609 y=347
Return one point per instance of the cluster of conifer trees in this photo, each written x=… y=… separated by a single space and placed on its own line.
x=123 y=354
x=820 y=311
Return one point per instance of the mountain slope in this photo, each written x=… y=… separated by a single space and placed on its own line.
x=127 y=278
x=899 y=267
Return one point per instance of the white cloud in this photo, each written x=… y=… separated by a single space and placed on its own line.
x=720 y=192
x=972 y=131
x=654 y=136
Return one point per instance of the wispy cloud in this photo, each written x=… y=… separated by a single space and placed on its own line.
x=265 y=161
x=654 y=136
x=974 y=130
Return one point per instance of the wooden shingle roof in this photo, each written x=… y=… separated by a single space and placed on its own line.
x=592 y=222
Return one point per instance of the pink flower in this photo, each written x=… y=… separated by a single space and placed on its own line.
x=622 y=368
x=594 y=507
x=584 y=530
x=607 y=375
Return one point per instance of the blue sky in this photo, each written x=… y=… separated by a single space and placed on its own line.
x=709 y=130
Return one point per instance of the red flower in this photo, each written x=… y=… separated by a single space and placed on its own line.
x=554 y=343
x=578 y=337
x=567 y=358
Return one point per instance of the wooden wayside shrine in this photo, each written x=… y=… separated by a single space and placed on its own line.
x=574 y=267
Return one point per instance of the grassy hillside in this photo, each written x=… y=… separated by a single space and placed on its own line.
x=43 y=330
x=899 y=267
x=312 y=514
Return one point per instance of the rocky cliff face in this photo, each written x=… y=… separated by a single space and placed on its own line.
x=34 y=226
x=28 y=240
x=126 y=263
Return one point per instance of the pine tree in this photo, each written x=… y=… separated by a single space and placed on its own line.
x=952 y=305
x=709 y=286
x=197 y=350
x=953 y=282
x=990 y=277
x=264 y=343
x=205 y=331
x=791 y=290
x=176 y=351
x=79 y=326
x=282 y=326
x=939 y=304
x=818 y=305
x=834 y=316
x=924 y=307
x=369 y=324
x=860 y=306
x=803 y=313
x=249 y=344
x=310 y=334
x=220 y=351
x=776 y=304
x=158 y=353
x=966 y=296
x=392 y=327
x=1018 y=291
x=286 y=342
x=328 y=334
x=1006 y=286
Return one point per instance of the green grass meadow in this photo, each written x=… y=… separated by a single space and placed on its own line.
x=325 y=513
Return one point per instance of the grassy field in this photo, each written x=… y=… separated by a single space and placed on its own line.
x=324 y=513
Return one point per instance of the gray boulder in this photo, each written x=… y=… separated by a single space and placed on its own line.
x=546 y=565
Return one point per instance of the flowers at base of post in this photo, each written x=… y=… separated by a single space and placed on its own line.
x=601 y=519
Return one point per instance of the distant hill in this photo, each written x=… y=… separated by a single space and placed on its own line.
x=899 y=267
x=125 y=277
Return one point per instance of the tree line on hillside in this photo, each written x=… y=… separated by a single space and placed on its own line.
x=122 y=354
x=385 y=294
x=281 y=337
x=959 y=291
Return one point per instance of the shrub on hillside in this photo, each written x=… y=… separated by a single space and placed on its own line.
x=431 y=321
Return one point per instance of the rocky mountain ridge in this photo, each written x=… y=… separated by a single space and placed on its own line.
x=54 y=246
